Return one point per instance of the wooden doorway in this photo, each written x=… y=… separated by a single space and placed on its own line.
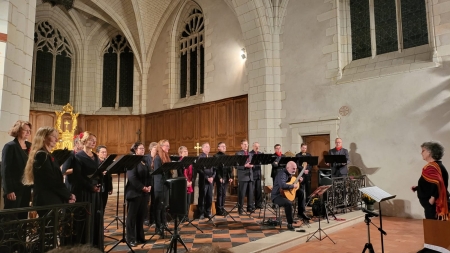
x=318 y=145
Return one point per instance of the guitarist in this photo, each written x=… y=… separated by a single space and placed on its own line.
x=305 y=187
x=281 y=178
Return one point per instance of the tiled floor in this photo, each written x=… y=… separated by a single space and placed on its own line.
x=404 y=235
x=223 y=232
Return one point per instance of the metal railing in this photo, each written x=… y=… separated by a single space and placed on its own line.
x=344 y=192
x=54 y=226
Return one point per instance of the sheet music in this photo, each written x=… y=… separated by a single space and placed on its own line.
x=376 y=193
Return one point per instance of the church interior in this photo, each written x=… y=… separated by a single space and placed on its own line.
x=370 y=72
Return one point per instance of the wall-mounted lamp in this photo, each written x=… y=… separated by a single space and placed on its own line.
x=243 y=53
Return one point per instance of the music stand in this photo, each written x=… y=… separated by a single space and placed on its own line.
x=285 y=159
x=319 y=192
x=103 y=166
x=121 y=165
x=263 y=159
x=335 y=160
x=61 y=155
x=379 y=196
x=185 y=163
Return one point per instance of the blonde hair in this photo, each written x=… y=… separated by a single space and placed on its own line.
x=38 y=143
x=18 y=126
x=180 y=149
x=152 y=144
x=86 y=135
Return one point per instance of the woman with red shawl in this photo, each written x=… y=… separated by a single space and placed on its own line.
x=433 y=183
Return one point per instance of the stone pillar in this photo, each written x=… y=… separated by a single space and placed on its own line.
x=16 y=56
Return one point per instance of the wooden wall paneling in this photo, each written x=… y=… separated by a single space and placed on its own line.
x=158 y=127
x=205 y=122
x=224 y=120
x=224 y=125
x=128 y=135
x=148 y=130
x=240 y=121
x=171 y=129
x=112 y=135
x=143 y=132
x=187 y=130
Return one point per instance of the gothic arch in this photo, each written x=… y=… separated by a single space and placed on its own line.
x=181 y=15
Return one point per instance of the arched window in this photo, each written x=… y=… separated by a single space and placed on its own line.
x=53 y=66
x=398 y=25
x=118 y=60
x=192 y=55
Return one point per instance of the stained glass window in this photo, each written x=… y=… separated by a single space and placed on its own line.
x=192 y=55
x=385 y=26
x=414 y=23
x=52 y=71
x=360 y=25
x=118 y=53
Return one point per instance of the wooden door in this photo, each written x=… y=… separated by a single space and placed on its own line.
x=318 y=145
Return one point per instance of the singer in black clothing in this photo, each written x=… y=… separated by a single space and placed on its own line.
x=282 y=177
x=87 y=184
x=205 y=185
x=223 y=178
x=257 y=177
x=339 y=169
x=107 y=184
x=42 y=171
x=67 y=167
x=14 y=158
x=432 y=187
x=304 y=190
x=275 y=166
x=149 y=160
x=161 y=157
x=136 y=191
x=245 y=177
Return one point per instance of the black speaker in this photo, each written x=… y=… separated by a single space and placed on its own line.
x=177 y=195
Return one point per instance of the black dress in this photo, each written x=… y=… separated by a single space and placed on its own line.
x=14 y=160
x=49 y=188
x=85 y=179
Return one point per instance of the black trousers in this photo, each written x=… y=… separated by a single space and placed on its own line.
x=221 y=194
x=307 y=184
x=430 y=210
x=205 y=197
x=245 y=189
x=160 y=209
x=23 y=198
x=301 y=199
x=284 y=202
x=137 y=210
x=188 y=202
x=258 y=192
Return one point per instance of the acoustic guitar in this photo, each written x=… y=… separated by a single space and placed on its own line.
x=290 y=193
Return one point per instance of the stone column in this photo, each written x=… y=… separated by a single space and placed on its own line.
x=16 y=56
